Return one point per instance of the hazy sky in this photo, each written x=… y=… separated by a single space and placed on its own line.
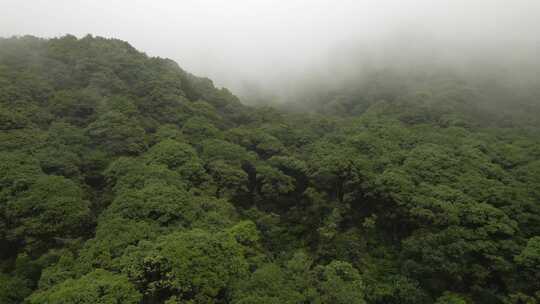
x=232 y=41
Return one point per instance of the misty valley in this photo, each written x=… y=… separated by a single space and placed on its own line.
x=126 y=179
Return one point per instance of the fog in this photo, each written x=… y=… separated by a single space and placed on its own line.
x=261 y=45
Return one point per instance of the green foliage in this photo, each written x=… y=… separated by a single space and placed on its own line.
x=215 y=149
x=245 y=233
x=156 y=202
x=125 y=174
x=171 y=154
x=193 y=266
x=11 y=120
x=335 y=168
x=257 y=140
x=271 y=182
x=17 y=172
x=271 y=283
x=197 y=129
x=98 y=286
x=179 y=157
x=114 y=235
x=125 y=179
x=528 y=261
x=530 y=256
x=34 y=215
x=118 y=134
x=168 y=131
x=450 y=298
x=339 y=282
x=295 y=282
x=74 y=107
x=227 y=178
x=13 y=289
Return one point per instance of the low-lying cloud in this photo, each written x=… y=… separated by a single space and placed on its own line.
x=263 y=44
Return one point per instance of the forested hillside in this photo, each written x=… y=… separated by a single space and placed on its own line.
x=125 y=179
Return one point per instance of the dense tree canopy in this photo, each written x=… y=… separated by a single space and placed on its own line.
x=125 y=179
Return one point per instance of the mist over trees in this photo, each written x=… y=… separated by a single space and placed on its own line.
x=328 y=152
x=270 y=43
x=502 y=81
x=125 y=179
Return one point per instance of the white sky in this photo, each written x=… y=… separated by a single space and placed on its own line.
x=235 y=40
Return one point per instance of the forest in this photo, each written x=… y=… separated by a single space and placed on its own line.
x=125 y=179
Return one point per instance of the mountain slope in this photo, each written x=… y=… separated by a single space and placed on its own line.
x=124 y=179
